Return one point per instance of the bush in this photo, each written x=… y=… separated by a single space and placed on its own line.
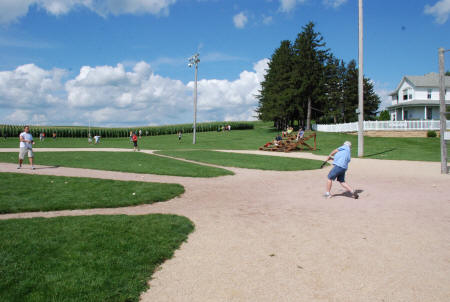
x=431 y=133
x=384 y=116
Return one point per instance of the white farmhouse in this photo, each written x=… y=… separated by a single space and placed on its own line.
x=417 y=98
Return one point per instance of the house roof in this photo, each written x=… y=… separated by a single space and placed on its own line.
x=429 y=80
x=418 y=103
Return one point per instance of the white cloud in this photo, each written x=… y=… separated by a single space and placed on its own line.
x=240 y=20
x=334 y=3
x=223 y=99
x=287 y=6
x=11 y=10
x=382 y=90
x=440 y=11
x=267 y=20
x=121 y=96
x=28 y=87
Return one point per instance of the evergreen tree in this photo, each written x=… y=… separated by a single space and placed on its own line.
x=384 y=116
x=276 y=95
x=334 y=81
x=308 y=74
x=350 y=93
x=351 y=100
x=304 y=77
x=371 y=100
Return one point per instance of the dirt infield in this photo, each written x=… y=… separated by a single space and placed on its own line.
x=271 y=236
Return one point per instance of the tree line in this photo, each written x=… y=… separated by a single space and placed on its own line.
x=305 y=81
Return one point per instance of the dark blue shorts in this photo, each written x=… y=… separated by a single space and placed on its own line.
x=337 y=172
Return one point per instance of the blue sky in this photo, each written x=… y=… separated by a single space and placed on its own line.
x=120 y=63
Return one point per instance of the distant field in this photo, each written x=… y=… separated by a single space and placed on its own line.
x=424 y=149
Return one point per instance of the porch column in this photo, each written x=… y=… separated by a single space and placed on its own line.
x=425 y=112
x=403 y=114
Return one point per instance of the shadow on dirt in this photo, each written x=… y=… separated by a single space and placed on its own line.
x=348 y=194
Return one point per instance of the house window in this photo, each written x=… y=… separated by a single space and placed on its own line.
x=429 y=94
x=405 y=94
x=410 y=94
x=429 y=113
x=405 y=117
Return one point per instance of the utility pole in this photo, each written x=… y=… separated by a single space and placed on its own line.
x=360 y=85
x=444 y=169
x=194 y=60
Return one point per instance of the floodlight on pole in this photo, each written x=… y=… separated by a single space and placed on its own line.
x=193 y=61
x=360 y=85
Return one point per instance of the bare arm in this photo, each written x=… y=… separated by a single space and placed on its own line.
x=332 y=154
x=22 y=139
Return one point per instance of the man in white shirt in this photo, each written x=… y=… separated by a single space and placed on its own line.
x=26 y=147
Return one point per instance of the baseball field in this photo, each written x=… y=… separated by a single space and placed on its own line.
x=222 y=221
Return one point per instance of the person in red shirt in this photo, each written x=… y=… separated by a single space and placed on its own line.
x=135 y=142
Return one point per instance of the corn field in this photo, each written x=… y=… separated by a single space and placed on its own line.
x=75 y=131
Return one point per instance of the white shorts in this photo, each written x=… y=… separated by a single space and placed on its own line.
x=24 y=151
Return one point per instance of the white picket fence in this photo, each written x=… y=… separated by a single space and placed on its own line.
x=382 y=126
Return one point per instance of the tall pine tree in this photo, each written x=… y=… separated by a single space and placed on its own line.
x=334 y=81
x=308 y=72
x=371 y=99
x=304 y=77
x=276 y=95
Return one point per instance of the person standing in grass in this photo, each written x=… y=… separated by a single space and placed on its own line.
x=135 y=142
x=26 y=147
x=179 y=136
x=342 y=157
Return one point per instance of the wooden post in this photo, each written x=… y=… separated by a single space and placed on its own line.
x=444 y=169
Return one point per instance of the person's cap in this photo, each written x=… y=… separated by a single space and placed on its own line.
x=347 y=143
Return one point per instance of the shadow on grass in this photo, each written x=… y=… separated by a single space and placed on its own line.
x=348 y=194
x=379 y=153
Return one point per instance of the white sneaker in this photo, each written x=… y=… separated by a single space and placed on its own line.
x=32 y=168
x=18 y=167
x=327 y=195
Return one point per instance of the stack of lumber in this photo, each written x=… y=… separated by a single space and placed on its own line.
x=290 y=144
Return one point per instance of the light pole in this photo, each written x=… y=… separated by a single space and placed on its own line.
x=360 y=85
x=443 y=110
x=194 y=60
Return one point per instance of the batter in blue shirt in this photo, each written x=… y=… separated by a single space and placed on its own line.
x=342 y=157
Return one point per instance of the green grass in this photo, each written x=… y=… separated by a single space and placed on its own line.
x=423 y=149
x=25 y=193
x=249 y=161
x=394 y=148
x=120 y=161
x=87 y=258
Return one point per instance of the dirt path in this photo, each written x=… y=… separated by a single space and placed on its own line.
x=271 y=236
